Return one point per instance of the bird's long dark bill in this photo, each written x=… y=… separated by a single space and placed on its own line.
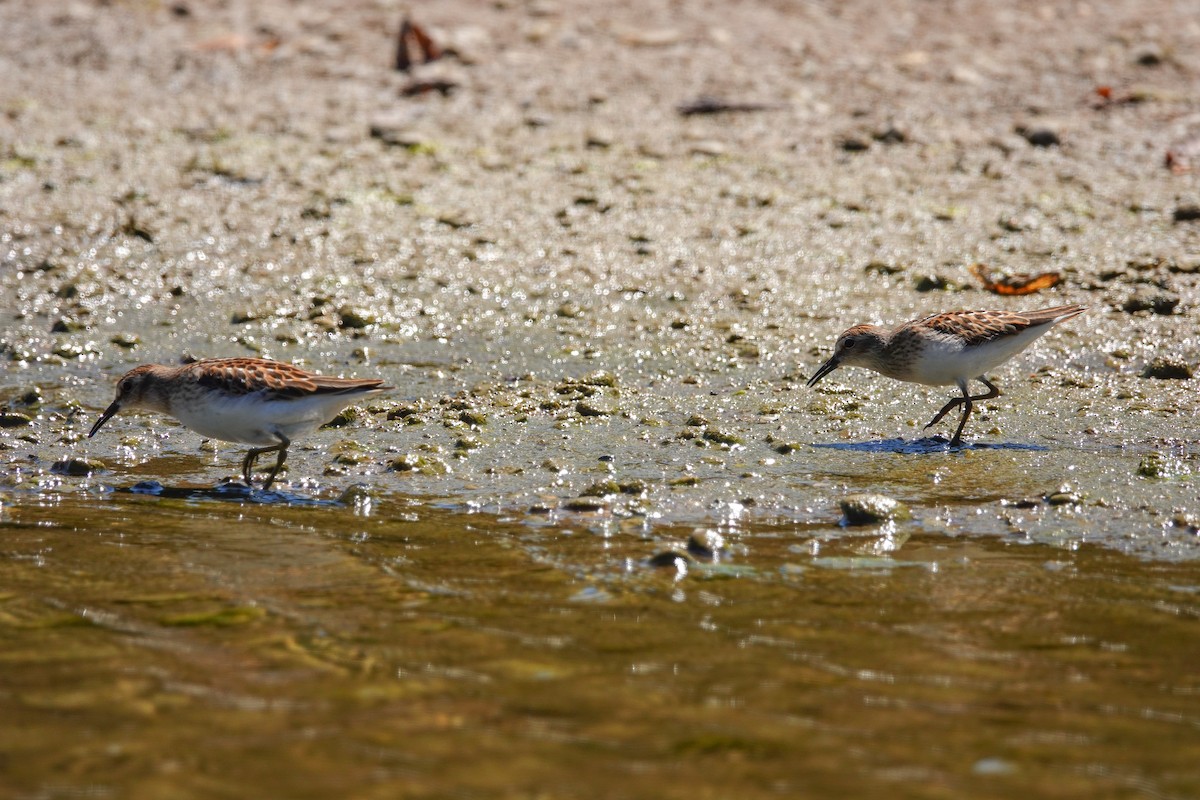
x=826 y=368
x=108 y=414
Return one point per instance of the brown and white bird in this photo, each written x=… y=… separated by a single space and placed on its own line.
x=943 y=349
x=247 y=400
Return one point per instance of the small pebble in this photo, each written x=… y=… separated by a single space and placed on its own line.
x=932 y=283
x=705 y=544
x=344 y=417
x=355 y=318
x=1040 y=137
x=586 y=409
x=601 y=489
x=599 y=139
x=668 y=558
x=76 y=467
x=583 y=505
x=465 y=443
x=870 y=509
x=357 y=495
x=30 y=397
x=993 y=766
x=600 y=378
x=66 y=325
x=403 y=412
x=473 y=417
x=707 y=147
x=1156 y=300
x=1064 y=497
x=411 y=462
x=1187 y=213
x=722 y=437
x=390 y=134
x=882 y=268
x=1168 y=368
x=890 y=135
x=1149 y=56
x=1187 y=522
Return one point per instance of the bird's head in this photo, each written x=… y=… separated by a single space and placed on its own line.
x=860 y=346
x=133 y=390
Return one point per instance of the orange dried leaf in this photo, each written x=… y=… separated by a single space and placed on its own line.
x=225 y=42
x=236 y=42
x=1015 y=284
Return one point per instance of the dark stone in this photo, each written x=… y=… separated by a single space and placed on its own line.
x=668 y=558
x=1040 y=137
x=1168 y=368
x=1158 y=301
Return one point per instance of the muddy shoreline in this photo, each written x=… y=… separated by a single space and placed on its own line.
x=256 y=180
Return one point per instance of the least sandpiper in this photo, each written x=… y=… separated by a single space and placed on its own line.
x=943 y=349
x=246 y=400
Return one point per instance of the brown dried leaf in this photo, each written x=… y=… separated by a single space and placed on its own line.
x=1015 y=284
x=415 y=46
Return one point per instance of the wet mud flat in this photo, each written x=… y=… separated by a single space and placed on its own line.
x=577 y=286
x=601 y=527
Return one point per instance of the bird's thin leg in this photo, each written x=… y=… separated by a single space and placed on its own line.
x=282 y=448
x=962 y=423
x=968 y=404
x=248 y=463
x=992 y=390
x=955 y=402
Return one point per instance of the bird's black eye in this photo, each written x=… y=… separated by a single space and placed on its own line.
x=848 y=343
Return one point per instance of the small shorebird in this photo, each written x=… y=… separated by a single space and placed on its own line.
x=943 y=349
x=246 y=400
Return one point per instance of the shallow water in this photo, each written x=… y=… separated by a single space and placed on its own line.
x=167 y=647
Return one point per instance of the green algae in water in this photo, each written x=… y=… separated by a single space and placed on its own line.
x=1158 y=465
x=221 y=618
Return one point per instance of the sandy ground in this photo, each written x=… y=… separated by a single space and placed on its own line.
x=237 y=178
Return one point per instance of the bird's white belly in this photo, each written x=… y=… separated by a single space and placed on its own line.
x=249 y=419
x=945 y=361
